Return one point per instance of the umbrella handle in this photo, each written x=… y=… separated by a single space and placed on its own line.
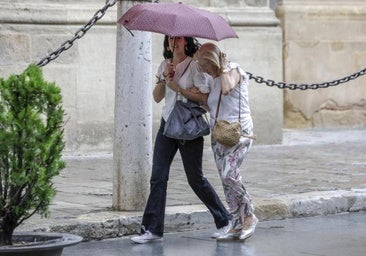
x=173 y=49
x=129 y=31
x=171 y=74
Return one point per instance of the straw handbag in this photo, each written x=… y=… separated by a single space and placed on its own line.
x=225 y=132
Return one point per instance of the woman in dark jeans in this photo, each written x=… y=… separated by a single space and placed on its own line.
x=176 y=74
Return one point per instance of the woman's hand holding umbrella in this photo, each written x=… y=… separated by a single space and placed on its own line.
x=169 y=71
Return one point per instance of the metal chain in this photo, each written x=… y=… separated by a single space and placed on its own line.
x=78 y=34
x=291 y=86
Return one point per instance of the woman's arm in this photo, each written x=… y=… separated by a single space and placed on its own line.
x=164 y=70
x=159 y=90
x=187 y=93
x=229 y=80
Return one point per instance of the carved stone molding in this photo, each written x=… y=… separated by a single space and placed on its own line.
x=33 y=13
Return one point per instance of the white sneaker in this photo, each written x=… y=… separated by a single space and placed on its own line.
x=223 y=230
x=147 y=237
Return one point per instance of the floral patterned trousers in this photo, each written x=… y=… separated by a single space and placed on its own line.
x=228 y=161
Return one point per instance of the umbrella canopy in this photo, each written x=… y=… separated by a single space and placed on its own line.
x=177 y=19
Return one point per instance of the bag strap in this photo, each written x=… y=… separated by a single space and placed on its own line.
x=218 y=106
x=219 y=102
x=184 y=71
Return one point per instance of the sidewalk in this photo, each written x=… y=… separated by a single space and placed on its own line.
x=313 y=172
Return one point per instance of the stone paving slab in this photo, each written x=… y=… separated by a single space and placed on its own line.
x=312 y=172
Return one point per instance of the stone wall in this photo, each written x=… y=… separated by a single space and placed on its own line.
x=86 y=72
x=323 y=41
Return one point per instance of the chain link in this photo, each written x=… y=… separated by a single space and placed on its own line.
x=282 y=85
x=78 y=34
x=291 y=86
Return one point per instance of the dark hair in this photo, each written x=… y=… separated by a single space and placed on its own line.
x=190 y=50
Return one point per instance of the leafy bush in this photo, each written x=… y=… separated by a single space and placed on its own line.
x=31 y=145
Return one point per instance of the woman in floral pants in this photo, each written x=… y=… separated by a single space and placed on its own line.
x=230 y=86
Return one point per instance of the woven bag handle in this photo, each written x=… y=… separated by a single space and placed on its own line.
x=219 y=102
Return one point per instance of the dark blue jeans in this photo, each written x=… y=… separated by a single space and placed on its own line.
x=191 y=152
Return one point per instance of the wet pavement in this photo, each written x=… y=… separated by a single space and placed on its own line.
x=332 y=235
x=313 y=172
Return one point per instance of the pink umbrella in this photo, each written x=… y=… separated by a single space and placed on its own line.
x=177 y=19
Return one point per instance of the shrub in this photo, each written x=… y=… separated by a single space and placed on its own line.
x=31 y=145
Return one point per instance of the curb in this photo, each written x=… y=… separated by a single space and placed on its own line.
x=312 y=204
x=111 y=224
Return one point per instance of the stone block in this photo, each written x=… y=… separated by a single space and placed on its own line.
x=324 y=41
x=14 y=48
x=266 y=209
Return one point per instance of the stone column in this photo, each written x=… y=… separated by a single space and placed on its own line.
x=133 y=110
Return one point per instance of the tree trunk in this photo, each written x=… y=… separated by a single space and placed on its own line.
x=7 y=226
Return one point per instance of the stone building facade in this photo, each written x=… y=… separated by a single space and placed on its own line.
x=324 y=40
x=308 y=41
x=86 y=71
